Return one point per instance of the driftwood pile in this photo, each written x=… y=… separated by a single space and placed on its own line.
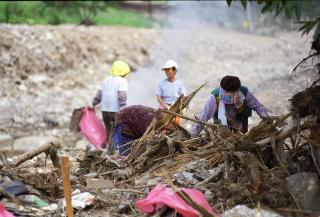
x=229 y=167
x=253 y=168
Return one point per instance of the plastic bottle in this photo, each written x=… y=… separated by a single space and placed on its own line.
x=33 y=200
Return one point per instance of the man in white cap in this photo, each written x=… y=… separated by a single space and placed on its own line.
x=170 y=89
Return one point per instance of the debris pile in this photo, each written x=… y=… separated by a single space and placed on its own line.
x=255 y=169
x=275 y=166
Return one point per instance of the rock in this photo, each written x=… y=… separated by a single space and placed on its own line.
x=142 y=180
x=38 y=78
x=244 y=211
x=305 y=188
x=82 y=144
x=6 y=141
x=55 y=132
x=196 y=165
x=50 y=122
x=31 y=142
x=91 y=175
x=18 y=119
x=154 y=181
x=185 y=178
x=31 y=120
x=99 y=183
x=209 y=195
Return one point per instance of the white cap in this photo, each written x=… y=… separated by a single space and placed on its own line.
x=170 y=64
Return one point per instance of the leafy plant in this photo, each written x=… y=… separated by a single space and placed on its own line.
x=85 y=10
x=293 y=10
x=9 y=8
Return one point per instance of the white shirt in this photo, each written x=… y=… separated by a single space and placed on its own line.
x=170 y=91
x=109 y=88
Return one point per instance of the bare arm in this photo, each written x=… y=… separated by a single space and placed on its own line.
x=162 y=103
x=97 y=99
x=122 y=98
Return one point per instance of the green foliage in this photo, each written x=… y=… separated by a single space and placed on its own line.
x=117 y=16
x=244 y=3
x=307 y=26
x=293 y=10
x=9 y=9
x=72 y=12
x=85 y=10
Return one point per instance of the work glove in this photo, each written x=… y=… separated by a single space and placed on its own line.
x=217 y=121
x=193 y=136
x=267 y=120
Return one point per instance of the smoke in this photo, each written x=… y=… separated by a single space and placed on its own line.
x=184 y=18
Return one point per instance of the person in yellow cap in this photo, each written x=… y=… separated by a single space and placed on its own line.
x=113 y=95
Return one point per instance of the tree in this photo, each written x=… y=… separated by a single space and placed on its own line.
x=88 y=10
x=85 y=10
x=10 y=8
x=306 y=13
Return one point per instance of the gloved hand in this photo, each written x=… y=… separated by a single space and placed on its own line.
x=267 y=120
x=91 y=106
x=217 y=121
x=193 y=136
x=184 y=111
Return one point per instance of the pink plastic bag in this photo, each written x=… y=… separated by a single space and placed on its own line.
x=161 y=196
x=4 y=212
x=92 y=128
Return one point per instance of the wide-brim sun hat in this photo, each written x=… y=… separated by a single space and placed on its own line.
x=120 y=68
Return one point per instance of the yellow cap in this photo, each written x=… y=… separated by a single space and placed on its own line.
x=120 y=68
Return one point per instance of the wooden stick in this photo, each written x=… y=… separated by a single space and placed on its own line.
x=108 y=158
x=145 y=186
x=188 y=118
x=129 y=190
x=210 y=178
x=203 y=212
x=65 y=169
x=29 y=155
x=308 y=212
x=284 y=134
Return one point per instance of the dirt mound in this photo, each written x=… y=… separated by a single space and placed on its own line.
x=33 y=49
x=47 y=71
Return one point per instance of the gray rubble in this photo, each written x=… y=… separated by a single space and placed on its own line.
x=244 y=211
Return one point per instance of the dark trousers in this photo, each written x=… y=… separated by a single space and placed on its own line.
x=245 y=126
x=109 y=123
x=122 y=142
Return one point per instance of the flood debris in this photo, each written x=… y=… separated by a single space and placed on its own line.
x=273 y=170
x=80 y=200
x=244 y=211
